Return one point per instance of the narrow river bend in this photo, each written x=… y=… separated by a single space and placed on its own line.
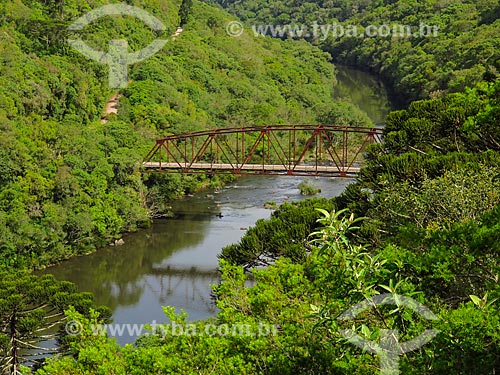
x=175 y=262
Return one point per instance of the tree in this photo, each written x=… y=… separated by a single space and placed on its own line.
x=185 y=11
x=31 y=309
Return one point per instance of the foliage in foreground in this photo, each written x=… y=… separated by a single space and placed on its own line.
x=430 y=197
x=31 y=314
x=284 y=234
x=299 y=305
x=430 y=191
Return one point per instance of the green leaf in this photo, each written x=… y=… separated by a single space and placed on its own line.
x=365 y=331
x=475 y=299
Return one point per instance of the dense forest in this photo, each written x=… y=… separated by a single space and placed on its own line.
x=465 y=50
x=421 y=220
x=69 y=182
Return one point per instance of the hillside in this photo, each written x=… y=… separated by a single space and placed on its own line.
x=69 y=183
x=406 y=259
x=464 y=51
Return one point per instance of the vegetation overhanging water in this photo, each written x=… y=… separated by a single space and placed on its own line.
x=175 y=262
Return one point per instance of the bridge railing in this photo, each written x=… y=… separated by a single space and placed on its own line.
x=272 y=149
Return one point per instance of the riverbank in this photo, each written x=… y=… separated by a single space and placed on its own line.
x=176 y=260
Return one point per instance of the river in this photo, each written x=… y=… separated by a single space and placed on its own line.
x=175 y=261
x=368 y=92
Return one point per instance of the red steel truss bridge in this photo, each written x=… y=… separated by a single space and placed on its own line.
x=294 y=150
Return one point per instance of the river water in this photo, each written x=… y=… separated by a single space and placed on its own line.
x=174 y=263
x=368 y=92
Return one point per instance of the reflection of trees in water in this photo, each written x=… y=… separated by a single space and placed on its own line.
x=115 y=274
x=195 y=283
x=366 y=91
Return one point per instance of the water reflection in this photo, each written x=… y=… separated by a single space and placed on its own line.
x=368 y=92
x=114 y=274
x=175 y=262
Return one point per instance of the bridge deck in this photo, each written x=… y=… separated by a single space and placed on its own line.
x=293 y=150
x=263 y=168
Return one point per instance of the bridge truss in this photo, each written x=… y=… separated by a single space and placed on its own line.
x=298 y=150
